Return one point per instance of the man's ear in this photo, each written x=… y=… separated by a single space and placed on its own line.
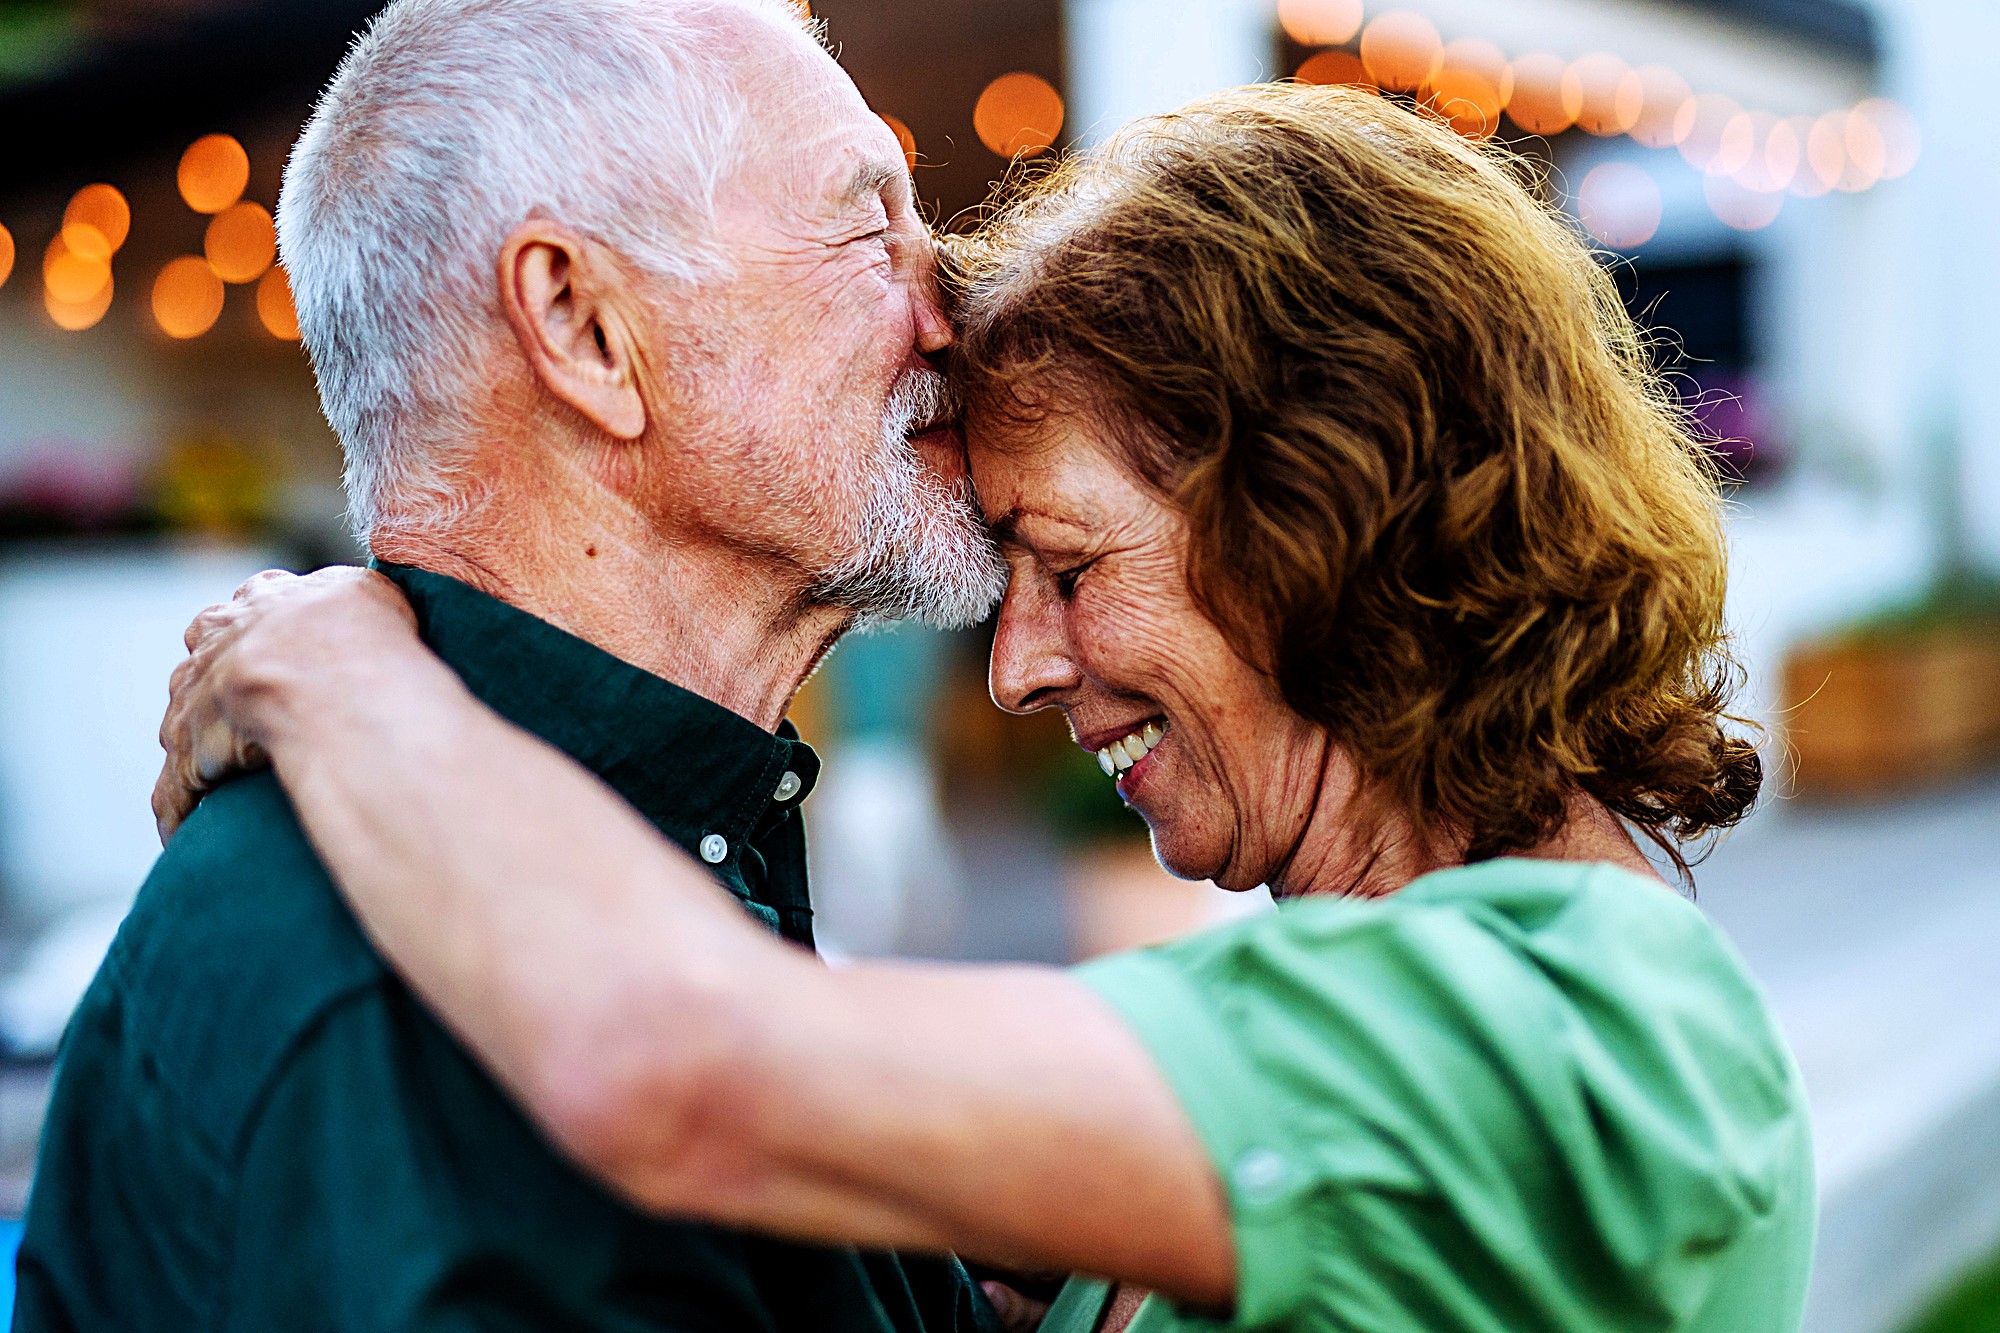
x=573 y=316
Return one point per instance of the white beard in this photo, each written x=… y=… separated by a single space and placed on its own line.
x=923 y=554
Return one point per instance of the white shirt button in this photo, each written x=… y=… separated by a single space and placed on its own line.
x=714 y=849
x=788 y=786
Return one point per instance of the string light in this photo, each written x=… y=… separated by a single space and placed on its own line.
x=1620 y=205
x=1336 y=67
x=242 y=243
x=1400 y=50
x=1320 y=22
x=1548 y=96
x=72 y=278
x=6 y=255
x=275 y=307
x=77 y=316
x=214 y=172
x=1019 y=115
x=97 y=222
x=905 y=138
x=187 y=298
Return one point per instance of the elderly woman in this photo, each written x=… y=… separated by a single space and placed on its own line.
x=1351 y=531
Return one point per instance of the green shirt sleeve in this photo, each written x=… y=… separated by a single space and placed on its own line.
x=1521 y=1095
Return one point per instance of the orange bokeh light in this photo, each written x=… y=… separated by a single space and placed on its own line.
x=1770 y=151
x=72 y=278
x=275 y=307
x=76 y=316
x=1320 y=22
x=1019 y=115
x=1471 y=83
x=6 y=255
x=1336 y=67
x=1659 y=94
x=905 y=138
x=1610 y=105
x=242 y=243
x=1547 y=94
x=1805 y=181
x=1867 y=154
x=1620 y=205
x=214 y=173
x=187 y=298
x=1741 y=208
x=1401 y=50
x=1708 y=136
x=97 y=222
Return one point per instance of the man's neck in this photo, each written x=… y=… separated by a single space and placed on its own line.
x=711 y=620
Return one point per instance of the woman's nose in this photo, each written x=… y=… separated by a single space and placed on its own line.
x=1032 y=668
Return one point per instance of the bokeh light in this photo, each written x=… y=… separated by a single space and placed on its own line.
x=1806 y=182
x=1610 y=105
x=187 y=297
x=1619 y=205
x=905 y=138
x=1741 y=208
x=6 y=255
x=76 y=316
x=1826 y=148
x=1336 y=67
x=1703 y=129
x=1019 y=115
x=1401 y=50
x=275 y=307
x=97 y=222
x=214 y=173
x=1902 y=141
x=1320 y=22
x=242 y=243
x=1659 y=94
x=1867 y=154
x=72 y=278
x=1772 y=156
x=1471 y=83
x=1547 y=94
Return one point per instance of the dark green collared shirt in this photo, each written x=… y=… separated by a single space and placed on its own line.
x=256 y=1127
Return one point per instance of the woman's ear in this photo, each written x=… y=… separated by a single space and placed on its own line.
x=574 y=317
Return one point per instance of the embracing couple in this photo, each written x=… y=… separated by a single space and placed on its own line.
x=1318 y=477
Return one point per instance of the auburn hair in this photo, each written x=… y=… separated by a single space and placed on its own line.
x=1432 y=479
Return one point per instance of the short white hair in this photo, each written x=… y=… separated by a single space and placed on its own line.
x=449 y=124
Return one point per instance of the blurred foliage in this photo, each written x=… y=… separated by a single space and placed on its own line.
x=1960 y=601
x=216 y=485
x=1974 y=1307
x=36 y=36
x=1081 y=804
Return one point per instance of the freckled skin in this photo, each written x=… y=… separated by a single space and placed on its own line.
x=1098 y=621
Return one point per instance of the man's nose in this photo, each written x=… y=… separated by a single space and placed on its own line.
x=1031 y=668
x=934 y=334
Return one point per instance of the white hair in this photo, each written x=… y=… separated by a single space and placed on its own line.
x=449 y=124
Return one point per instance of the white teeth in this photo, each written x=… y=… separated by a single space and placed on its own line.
x=1151 y=735
x=1104 y=761
x=1122 y=757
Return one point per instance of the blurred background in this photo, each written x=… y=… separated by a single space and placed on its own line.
x=1799 y=196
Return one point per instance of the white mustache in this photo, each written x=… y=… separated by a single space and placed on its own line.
x=922 y=400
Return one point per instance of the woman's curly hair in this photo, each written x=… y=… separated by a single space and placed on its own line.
x=1432 y=479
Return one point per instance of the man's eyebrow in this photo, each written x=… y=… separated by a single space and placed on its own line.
x=868 y=183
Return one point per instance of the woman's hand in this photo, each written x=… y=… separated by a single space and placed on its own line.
x=255 y=659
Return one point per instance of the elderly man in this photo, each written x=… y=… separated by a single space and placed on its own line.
x=622 y=310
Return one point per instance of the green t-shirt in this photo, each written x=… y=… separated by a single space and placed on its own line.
x=1520 y=1096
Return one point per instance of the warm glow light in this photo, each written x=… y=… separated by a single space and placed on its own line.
x=1703 y=131
x=1806 y=182
x=187 y=298
x=1826 y=148
x=242 y=243
x=6 y=255
x=1019 y=115
x=1320 y=22
x=1756 y=134
x=1902 y=141
x=1401 y=50
x=1867 y=155
x=905 y=138
x=1619 y=205
x=1547 y=94
x=1745 y=210
x=1471 y=83
x=1659 y=94
x=274 y=305
x=1336 y=67
x=71 y=278
x=97 y=222
x=214 y=173
x=1609 y=105
x=76 y=316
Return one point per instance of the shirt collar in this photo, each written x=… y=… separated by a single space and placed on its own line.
x=696 y=770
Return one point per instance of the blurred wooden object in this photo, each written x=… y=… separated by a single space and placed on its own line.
x=1875 y=716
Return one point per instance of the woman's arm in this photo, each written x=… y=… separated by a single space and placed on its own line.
x=691 y=1061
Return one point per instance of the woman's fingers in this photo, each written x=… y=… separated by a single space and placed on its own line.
x=1018 y=1314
